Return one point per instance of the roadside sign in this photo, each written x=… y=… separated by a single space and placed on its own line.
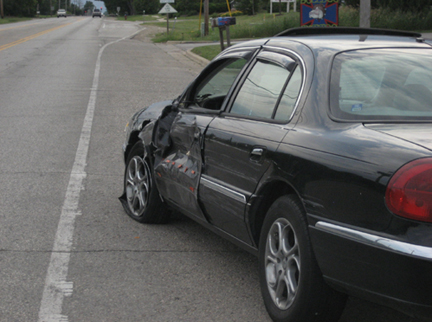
x=118 y=9
x=167 y=9
x=166 y=1
x=319 y=13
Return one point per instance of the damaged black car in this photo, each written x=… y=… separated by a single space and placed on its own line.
x=311 y=149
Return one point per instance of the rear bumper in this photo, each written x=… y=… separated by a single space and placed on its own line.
x=387 y=271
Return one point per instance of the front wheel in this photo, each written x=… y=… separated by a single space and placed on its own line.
x=141 y=199
x=291 y=282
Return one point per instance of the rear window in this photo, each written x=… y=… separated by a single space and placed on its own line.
x=382 y=85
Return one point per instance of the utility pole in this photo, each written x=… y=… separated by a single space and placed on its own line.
x=206 y=17
x=1 y=9
x=365 y=13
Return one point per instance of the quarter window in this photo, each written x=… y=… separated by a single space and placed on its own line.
x=289 y=97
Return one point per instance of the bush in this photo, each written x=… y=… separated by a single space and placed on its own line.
x=395 y=5
x=268 y=28
x=387 y=18
x=349 y=17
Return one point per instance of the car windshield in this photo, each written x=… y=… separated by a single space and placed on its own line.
x=382 y=85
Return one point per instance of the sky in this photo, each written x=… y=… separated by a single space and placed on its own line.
x=99 y=4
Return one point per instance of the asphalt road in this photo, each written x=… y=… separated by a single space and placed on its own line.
x=67 y=250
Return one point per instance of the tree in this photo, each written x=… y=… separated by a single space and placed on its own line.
x=150 y=6
x=88 y=6
x=184 y=7
x=125 y=6
x=20 y=8
x=396 y=5
x=249 y=7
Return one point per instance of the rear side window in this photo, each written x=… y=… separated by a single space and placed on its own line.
x=270 y=91
x=382 y=85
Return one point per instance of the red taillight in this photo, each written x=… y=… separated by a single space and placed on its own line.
x=409 y=192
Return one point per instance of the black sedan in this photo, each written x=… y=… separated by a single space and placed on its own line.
x=311 y=149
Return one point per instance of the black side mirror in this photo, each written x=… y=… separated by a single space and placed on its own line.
x=175 y=105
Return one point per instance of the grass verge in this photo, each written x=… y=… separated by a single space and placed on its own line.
x=207 y=52
x=12 y=19
x=266 y=25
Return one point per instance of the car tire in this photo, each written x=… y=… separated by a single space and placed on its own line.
x=141 y=199
x=292 y=285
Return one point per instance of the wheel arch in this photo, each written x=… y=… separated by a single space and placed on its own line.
x=265 y=196
x=139 y=135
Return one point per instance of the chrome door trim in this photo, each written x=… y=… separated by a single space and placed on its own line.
x=230 y=193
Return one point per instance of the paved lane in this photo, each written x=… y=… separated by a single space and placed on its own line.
x=45 y=84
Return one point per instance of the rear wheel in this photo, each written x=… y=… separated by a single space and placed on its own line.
x=291 y=283
x=141 y=199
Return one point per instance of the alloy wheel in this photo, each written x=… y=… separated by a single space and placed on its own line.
x=138 y=185
x=282 y=263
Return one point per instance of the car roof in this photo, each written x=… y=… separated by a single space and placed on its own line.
x=339 y=39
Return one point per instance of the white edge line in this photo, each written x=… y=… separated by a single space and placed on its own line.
x=56 y=287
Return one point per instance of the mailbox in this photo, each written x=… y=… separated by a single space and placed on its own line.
x=226 y=21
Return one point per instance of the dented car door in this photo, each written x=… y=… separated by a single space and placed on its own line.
x=179 y=162
x=178 y=171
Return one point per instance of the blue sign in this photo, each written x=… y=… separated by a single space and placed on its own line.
x=319 y=13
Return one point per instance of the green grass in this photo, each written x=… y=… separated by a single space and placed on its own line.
x=207 y=52
x=145 y=19
x=12 y=19
x=260 y=25
x=266 y=25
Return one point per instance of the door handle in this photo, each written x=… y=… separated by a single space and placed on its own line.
x=257 y=152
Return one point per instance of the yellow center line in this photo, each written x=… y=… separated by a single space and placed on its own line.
x=20 y=41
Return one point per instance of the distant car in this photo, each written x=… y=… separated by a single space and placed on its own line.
x=97 y=13
x=61 y=13
x=312 y=150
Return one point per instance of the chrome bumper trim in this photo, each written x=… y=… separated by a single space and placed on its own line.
x=418 y=251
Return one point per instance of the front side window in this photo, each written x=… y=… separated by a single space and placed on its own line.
x=382 y=85
x=211 y=92
x=270 y=91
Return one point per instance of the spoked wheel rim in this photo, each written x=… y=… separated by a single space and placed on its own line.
x=282 y=263
x=137 y=185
